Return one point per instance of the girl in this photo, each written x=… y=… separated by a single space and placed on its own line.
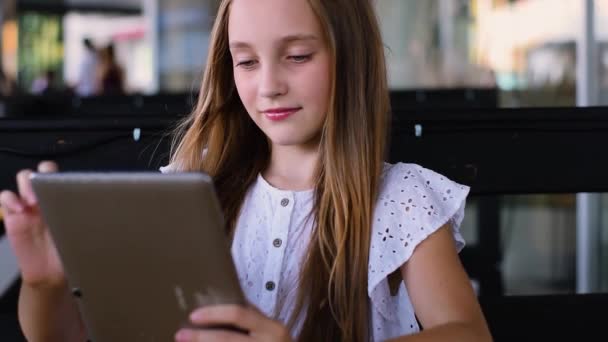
x=330 y=243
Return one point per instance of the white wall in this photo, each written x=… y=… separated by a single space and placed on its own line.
x=135 y=55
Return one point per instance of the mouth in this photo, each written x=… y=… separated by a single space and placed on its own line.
x=279 y=114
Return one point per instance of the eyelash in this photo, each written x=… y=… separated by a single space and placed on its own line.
x=246 y=64
x=298 y=59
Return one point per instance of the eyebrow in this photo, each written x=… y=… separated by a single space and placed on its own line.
x=286 y=39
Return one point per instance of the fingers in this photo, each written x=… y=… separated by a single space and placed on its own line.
x=188 y=335
x=233 y=315
x=24 y=184
x=10 y=203
x=243 y=318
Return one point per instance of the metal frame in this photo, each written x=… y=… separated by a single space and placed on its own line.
x=495 y=151
x=506 y=151
x=589 y=213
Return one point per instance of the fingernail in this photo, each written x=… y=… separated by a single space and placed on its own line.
x=183 y=335
x=196 y=316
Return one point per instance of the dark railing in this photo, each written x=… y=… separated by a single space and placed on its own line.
x=495 y=151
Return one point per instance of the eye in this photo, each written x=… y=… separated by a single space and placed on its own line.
x=247 y=64
x=300 y=58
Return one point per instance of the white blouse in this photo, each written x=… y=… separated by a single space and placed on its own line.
x=273 y=232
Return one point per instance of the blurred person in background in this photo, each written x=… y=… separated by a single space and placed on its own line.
x=7 y=86
x=87 y=83
x=111 y=76
x=44 y=84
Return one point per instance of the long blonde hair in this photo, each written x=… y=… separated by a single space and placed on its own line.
x=333 y=284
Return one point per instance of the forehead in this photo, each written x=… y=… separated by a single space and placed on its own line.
x=254 y=21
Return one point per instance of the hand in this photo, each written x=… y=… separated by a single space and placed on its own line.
x=28 y=234
x=260 y=327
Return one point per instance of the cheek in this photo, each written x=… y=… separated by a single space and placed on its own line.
x=318 y=85
x=247 y=92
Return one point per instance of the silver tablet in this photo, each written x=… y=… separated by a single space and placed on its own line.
x=141 y=251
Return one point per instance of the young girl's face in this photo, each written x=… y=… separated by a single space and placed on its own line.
x=281 y=67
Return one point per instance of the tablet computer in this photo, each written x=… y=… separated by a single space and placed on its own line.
x=141 y=251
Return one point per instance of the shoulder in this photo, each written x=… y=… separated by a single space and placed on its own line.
x=412 y=195
x=415 y=182
x=413 y=202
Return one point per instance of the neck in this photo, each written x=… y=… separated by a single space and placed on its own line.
x=292 y=167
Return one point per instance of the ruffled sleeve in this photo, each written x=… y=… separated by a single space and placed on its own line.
x=413 y=203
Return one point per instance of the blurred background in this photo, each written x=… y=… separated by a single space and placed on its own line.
x=525 y=48
x=88 y=58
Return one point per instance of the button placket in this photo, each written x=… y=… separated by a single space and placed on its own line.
x=278 y=242
x=279 y=229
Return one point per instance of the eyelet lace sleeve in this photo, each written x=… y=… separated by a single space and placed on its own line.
x=413 y=203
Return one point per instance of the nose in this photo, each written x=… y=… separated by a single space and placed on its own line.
x=272 y=83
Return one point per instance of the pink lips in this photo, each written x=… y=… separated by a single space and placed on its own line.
x=279 y=114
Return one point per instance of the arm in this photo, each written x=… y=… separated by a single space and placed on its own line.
x=50 y=315
x=47 y=311
x=441 y=293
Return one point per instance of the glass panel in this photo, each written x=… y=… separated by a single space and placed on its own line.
x=601 y=22
x=538 y=240
x=604 y=246
x=430 y=44
x=488 y=43
x=40 y=62
x=184 y=32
